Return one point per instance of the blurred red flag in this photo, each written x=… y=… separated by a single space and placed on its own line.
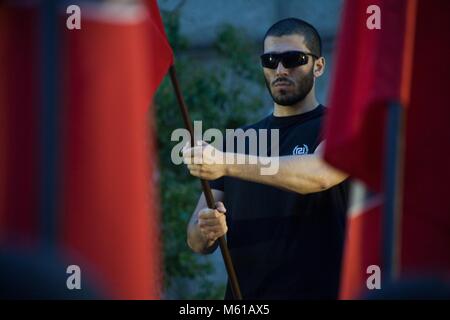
x=113 y=66
x=425 y=241
x=19 y=126
x=108 y=220
x=373 y=68
x=363 y=243
x=368 y=76
x=161 y=51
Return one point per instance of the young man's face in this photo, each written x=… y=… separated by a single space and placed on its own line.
x=288 y=86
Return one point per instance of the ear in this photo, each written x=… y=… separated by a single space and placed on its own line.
x=319 y=67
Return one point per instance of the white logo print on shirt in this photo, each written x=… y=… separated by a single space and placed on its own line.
x=300 y=150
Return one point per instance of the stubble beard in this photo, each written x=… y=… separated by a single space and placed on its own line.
x=303 y=87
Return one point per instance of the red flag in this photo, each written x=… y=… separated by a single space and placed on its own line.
x=389 y=65
x=425 y=241
x=368 y=76
x=19 y=125
x=113 y=66
x=161 y=52
x=363 y=241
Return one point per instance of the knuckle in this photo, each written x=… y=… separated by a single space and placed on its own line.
x=205 y=212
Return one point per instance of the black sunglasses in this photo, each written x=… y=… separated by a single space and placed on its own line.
x=289 y=59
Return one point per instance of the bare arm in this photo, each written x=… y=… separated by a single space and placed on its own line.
x=302 y=174
x=206 y=225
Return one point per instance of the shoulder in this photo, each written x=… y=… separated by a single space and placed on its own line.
x=319 y=112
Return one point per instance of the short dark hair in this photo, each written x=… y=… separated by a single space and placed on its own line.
x=290 y=26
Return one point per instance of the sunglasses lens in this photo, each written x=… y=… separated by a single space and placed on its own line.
x=269 y=61
x=294 y=59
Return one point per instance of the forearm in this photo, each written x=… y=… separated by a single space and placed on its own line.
x=301 y=174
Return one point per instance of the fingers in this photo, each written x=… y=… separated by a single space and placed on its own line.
x=201 y=153
x=209 y=223
x=213 y=234
x=212 y=222
x=209 y=214
x=193 y=155
x=189 y=153
x=202 y=171
x=194 y=170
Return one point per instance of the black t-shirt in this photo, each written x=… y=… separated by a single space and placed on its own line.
x=285 y=245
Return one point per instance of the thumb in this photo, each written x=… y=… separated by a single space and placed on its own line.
x=220 y=207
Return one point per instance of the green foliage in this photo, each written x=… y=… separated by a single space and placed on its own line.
x=224 y=92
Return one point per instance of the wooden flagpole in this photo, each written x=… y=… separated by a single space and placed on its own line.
x=206 y=188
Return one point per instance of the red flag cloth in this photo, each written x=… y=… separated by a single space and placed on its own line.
x=113 y=66
x=363 y=241
x=19 y=126
x=367 y=77
x=425 y=245
x=394 y=64
x=162 y=57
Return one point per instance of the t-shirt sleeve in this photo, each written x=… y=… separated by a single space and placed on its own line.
x=217 y=184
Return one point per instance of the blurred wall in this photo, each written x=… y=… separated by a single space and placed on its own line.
x=201 y=19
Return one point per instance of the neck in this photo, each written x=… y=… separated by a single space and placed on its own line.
x=307 y=104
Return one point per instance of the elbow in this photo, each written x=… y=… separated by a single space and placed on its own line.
x=323 y=183
x=313 y=185
x=319 y=178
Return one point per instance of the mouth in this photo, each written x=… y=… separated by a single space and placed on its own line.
x=282 y=84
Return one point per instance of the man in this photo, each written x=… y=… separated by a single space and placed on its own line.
x=285 y=231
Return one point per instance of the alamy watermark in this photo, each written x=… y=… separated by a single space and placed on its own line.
x=262 y=145
x=373 y=22
x=73 y=281
x=373 y=282
x=73 y=22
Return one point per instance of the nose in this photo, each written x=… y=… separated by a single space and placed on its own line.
x=281 y=70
